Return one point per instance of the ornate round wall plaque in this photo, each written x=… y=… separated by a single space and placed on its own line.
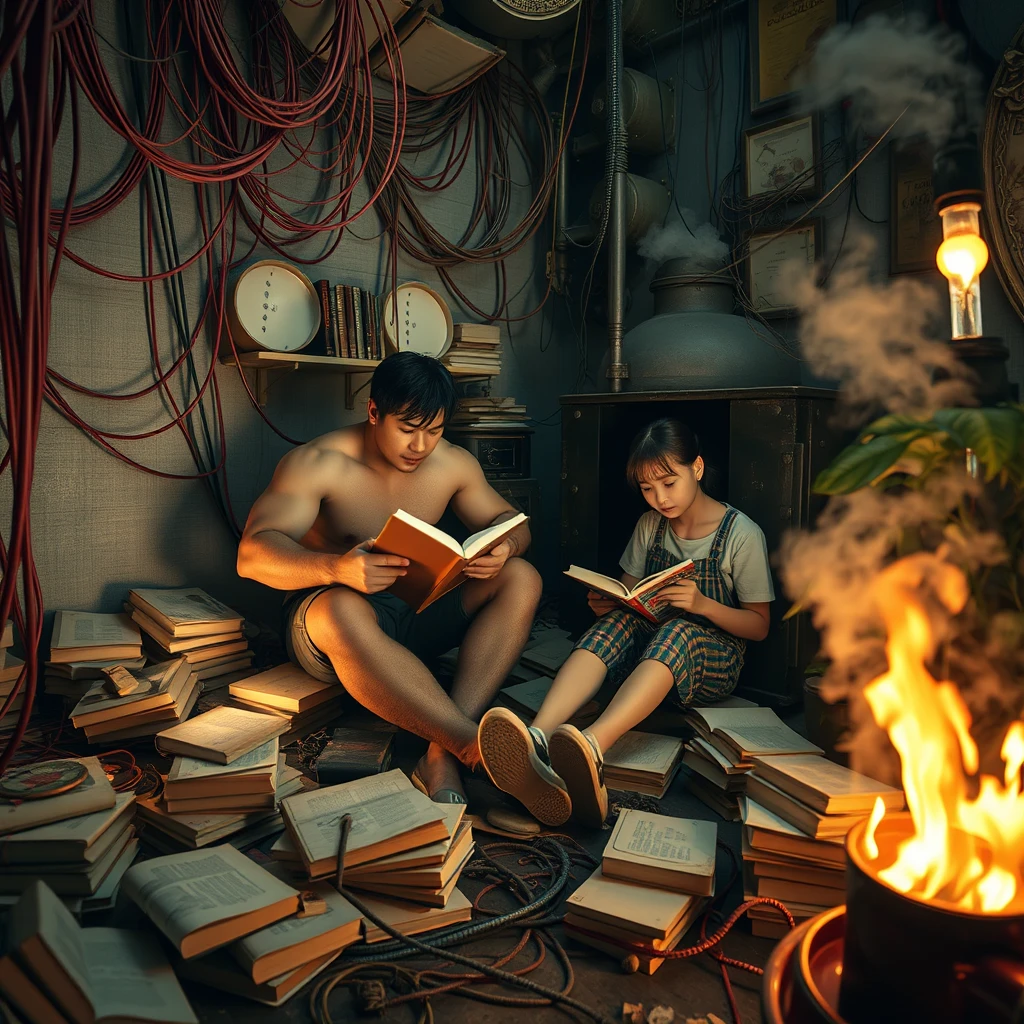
x=1003 y=158
x=518 y=19
x=36 y=781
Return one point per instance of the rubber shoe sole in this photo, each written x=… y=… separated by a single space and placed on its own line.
x=573 y=759
x=507 y=752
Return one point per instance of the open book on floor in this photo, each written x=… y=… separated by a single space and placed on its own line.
x=640 y=598
x=436 y=560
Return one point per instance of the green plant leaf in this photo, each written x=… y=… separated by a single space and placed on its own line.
x=992 y=434
x=898 y=424
x=860 y=464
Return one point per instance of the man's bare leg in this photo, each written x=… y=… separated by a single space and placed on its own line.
x=503 y=610
x=384 y=676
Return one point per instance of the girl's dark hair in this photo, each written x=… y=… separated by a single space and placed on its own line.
x=657 y=446
x=413 y=387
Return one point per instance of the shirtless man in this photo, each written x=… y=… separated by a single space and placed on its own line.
x=307 y=534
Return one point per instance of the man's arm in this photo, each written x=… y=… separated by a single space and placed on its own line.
x=270 y=550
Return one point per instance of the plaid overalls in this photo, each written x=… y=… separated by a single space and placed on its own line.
x=704 y=660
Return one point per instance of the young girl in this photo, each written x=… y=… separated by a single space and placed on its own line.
x=554 y=769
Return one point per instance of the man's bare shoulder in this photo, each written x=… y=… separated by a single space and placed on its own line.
x=335 y=453
x=455 y=461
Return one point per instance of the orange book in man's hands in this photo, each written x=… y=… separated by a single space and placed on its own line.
x=436 y=560
x=643 y=597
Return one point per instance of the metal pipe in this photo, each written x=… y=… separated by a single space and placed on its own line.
x=618 y=371
x=560 y=270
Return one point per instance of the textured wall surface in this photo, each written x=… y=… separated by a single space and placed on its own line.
x=101 y=526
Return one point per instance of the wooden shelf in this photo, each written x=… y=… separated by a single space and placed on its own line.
x=271 y=365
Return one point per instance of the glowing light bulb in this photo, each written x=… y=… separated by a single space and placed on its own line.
x=961 y=258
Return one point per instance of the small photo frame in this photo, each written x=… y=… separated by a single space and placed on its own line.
x=783 y=35
x=767 y=253
x=782 y=157
x=915 y=230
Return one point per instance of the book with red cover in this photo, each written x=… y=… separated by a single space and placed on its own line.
x=642 y=598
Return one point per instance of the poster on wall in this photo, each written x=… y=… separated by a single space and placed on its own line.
x=782 y=157
x=769 y=256
x=783 y=35
x=915 y=230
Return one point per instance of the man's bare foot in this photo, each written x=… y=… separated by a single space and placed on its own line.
x=439 y=772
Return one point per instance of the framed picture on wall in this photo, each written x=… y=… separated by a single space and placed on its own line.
x=769 y=254
x=915 y=230
x=783 y=35
x=782 y=157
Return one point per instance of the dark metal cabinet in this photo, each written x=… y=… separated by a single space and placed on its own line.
x=764 y=447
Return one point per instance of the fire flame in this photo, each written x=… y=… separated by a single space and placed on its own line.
x=966 y=850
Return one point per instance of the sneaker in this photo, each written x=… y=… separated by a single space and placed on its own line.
x=576 y=757
x=516 y=759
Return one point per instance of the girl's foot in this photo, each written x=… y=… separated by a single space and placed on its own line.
x=516 y=759
x=576 y=757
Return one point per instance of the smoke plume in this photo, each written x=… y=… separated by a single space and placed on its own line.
x=879 y=337
x=888 y=68
x=702 y=249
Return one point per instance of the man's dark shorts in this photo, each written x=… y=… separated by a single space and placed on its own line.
x=436 y=629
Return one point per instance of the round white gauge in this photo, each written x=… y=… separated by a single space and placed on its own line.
x=274 y=306
x=424 y=320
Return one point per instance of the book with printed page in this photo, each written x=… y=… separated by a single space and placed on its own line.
x=185 y=611
x=93 y=636
x=93 y=793
x=642 y=762
x=223 y=734
x=92 y=975
x=825 y=787
x=745 y=733
x=253 y=772
x=765 y=833
x=410 y=860
x=171 y=644
x=410 y=919
x=156 y=685
x=436 y=560
x=817 y=826
x=668 y=853
x=295 y=941
x=185 y=692
x=204 y=899
x=389 y=815
x=642 y=598
x=228 y=802
x=286 y=687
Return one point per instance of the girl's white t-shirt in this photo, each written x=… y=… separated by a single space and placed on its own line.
x=744 y=561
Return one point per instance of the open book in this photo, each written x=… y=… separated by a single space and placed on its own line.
x=87 y=975
x=436 y=560
x=641 y=597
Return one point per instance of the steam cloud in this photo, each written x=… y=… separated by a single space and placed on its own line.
x=702 y=249
x=886 y=67
x=879 y=337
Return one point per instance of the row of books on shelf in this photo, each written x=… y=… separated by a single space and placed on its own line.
x=351 y=323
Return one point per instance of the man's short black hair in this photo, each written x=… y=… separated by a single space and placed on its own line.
x=413 y=387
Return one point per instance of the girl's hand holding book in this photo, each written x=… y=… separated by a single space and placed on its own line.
x=684 y=595
x=599 y=604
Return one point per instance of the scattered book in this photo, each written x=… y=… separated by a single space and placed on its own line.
x=191 y=778
x=352 y=754
x=677 y=854
x=642 y=598
x=185 y=611
x=204 y=899
x=432 y=855
x=548 y=656
x=526 y=697
x=436 y=560
x=723 y=803
x=817 y=826
x=93 y=636
x=389 y=815
x=158 y=686
x=232 y=801
x=185 y=693
x=768 y=834
x=87 y=976
x=642 y=762
x=287 y=688
x=409 y=919
x=93 y=793
x=221 y=735
x=745 y=733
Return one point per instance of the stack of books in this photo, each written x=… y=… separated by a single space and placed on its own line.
x=226 y=782
x=428 y=874
x=304 y=704
x=82 y=858
x=796 y=813
x=655 y=876
x=352 y=754
x=643 y=762
x=351 y=323
x=725 y=742
x=164 y=695
x=83 y=644
x=187 y=622
x=412 y=918
x=55 y=970
x=475 y=348
x=488 y=412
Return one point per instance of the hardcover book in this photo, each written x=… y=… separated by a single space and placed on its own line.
x=642 y=598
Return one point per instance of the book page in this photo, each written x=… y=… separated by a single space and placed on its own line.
x=755 y=815
x=664 y=578
x=672 y=840
x=221 y=728
x=530 y=694
x=825 y=776
x=768 y=737
x=263 y=756
x=293 y=930
x=381 y=806
x=490 y=537
x=598 y=581
x=153 y=681
x=187 y=604
x=428 y=530
x=130 y=978
x=184 y=892
x=641 y=751
x=93 y=629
